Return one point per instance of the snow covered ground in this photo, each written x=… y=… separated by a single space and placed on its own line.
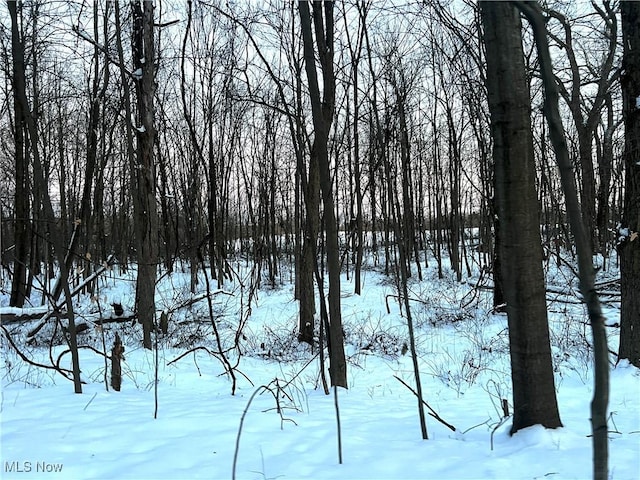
x=289 y=428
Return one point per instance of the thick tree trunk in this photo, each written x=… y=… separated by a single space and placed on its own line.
x=534 y=395
x=629 y=248
x=21 y=195
x=140 y=156
x=145 y=206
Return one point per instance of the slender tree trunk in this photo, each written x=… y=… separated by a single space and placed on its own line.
x=408 y=217
x=534 y=395
x=605 y=171
x=402 y=279
x=322 y=106
x=454 y=185
x=586 y=117
x=55 y=236
x=83 y=230
x=308 y=254
x=356 y=220
x=586 y=270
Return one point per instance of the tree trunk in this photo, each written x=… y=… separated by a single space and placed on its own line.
x=605 y=170
x=322 y=107
x=586 y=270
x=534 y=395
x=145 y=206
x=22 y=192
x=142 y=168
x=40 y=184
x=629 y=248
x=308 y=255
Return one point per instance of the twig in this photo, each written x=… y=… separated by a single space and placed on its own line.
x=432 y=412
x=504 y=419
x=179 y=357
x=338 y=426
x=89 y=403
x=244 y=414
x=399 y=297
x=62 y=371
x=196 y=298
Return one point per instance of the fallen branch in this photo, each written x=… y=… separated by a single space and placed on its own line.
x=432 y=412
x=399 y=297
x=58 y=306
x=179 y=357
x=195 y=299
x=122 y=319
x=26 y=316
x=80 y=347
x=607 y=283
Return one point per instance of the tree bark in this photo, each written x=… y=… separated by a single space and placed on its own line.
x=629 y=248
x=308 y=254
x=140 y=156
x=145 y=206
x=534 y=395
x=22 y=189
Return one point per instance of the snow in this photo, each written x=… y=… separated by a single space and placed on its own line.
x=24 y=311
x=465 y=374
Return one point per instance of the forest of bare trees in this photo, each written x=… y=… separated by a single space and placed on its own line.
x=301 y=138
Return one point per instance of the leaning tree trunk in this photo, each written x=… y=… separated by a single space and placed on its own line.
x=586 y=270
x=534 y=395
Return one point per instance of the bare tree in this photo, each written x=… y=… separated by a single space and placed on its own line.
x=579 y=225
x=322 y=107
x=534 y=395
x=586 y=116
x=145 y=206
x=629 y=248
x=28 y=121
x=140 y=154
x=21 y=203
